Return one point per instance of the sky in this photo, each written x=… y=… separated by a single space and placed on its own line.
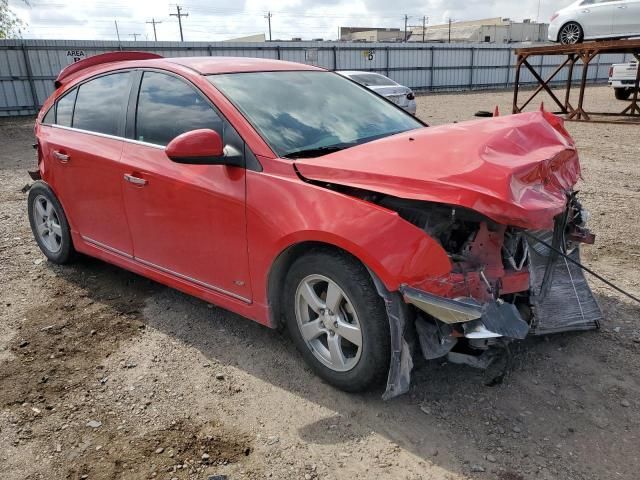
x=211 y=20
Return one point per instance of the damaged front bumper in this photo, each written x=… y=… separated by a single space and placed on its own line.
x=558 y=299
x=489 y=320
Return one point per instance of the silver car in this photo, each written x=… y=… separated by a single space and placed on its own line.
x=595 y=19
x=398 y=94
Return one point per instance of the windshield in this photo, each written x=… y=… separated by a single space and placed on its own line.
x=311 y=113
x=372 y=80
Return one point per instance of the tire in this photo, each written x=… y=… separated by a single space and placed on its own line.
x=623 y=93
x=362 y=367
x=49 y=224
x=570 y=34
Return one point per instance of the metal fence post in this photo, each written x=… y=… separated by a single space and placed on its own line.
x=433 y=56
x=32 y=85
x=473 y=58
x=335 y=58
x=509 y=56
x=387 y=59
x=278 y=51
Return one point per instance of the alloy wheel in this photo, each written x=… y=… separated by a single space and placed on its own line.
x=328 y=323
x=47 y=223
x=570 y=34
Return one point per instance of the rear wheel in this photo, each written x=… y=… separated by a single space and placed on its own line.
x=49 y=224
x=337 y=320
x=622 y=93
x=570 y=34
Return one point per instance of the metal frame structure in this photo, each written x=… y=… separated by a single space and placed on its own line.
x=585 y=53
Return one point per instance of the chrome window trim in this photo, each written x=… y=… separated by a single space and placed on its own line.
x=165 y=270
x=112 y=137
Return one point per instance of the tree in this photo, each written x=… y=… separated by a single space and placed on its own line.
x=10 y=24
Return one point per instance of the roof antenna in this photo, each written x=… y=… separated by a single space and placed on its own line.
x=496 y=112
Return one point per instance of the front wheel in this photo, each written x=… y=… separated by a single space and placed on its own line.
x=570 y=34
x=337 y=320
x=622 y=93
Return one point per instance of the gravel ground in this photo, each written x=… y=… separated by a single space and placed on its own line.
x=106 y=375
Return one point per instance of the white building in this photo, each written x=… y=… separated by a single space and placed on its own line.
x=489 y=30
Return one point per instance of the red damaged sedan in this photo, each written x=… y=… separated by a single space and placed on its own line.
x=290 y=194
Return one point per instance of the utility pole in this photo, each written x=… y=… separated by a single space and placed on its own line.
x=268 y=17
x=450 y=21
x=424 y=26
x=406 y=17
x=154 y=23
x=179 y=14
x=538 y=16
x=117 y=32
x=135 y=36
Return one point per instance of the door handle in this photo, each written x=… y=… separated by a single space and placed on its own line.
x=63 y=157
x=141 y=182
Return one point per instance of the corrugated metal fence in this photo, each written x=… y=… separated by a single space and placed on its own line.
x=28 y=67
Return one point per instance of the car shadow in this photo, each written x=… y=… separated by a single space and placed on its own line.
x=557 y=390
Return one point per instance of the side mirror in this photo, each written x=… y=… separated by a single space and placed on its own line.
x=200 y=147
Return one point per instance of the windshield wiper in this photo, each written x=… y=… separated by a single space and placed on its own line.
x=317 y=151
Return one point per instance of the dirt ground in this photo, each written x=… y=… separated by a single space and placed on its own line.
x=107 y=375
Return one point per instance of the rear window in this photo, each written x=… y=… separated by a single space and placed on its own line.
x=372 y=80
x=101 y=103
x=64 y=108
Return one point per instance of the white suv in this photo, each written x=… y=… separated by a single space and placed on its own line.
x=595 y=19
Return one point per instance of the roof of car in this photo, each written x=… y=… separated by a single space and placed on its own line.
x=213 y=65
x=202 y=65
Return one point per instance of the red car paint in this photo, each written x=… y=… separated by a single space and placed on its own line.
x=514 y=169
x=196 y=143
x=216 y=231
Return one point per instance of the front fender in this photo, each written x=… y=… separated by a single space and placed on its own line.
x=283 y=211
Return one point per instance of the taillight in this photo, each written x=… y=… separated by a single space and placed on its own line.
x=410 y=96
x=554 y=16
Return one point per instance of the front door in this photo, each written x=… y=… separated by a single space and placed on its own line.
x=85 y=151
x=186 y=220
x=596 y=17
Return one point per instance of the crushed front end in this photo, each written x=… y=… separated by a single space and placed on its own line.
x=506 y=282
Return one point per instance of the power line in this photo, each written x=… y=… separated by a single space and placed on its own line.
x=154 y=23
x=179 y=15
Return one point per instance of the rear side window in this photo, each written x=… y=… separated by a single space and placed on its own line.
x=64 y=108
x=168 y=107
x=101 y=104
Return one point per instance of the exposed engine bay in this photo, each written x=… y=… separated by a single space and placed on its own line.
x=505 y=284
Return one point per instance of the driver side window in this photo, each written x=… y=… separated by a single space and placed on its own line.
x=168 y=107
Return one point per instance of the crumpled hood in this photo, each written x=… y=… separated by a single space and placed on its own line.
x=514 y=169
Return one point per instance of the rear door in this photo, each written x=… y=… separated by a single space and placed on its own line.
x=84 y=146
x=186 y=220
x=596 y=17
